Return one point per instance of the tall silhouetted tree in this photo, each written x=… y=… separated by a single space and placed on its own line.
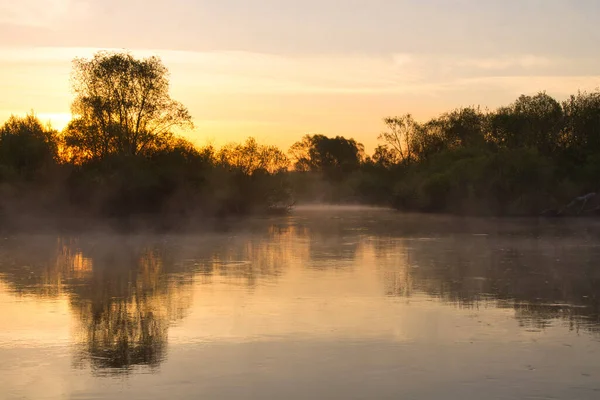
x=400 y=136
x=122 y=106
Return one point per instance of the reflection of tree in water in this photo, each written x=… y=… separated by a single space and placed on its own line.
x=263 y=251
x=132 y=298
x=542 y=279
x=249 y=256
x=126 y=292
x=333 y=240
x=41 y=266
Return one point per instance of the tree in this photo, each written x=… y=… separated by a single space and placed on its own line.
x=582 y=124
x=400 y=136
x=122 y=106
x=332 y=156
x=464 y=127
x=252 y=156
x=26 y=146
x=300 y=154
x=383 y=156
x=531 y=121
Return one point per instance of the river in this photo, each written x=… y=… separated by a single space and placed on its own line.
x=325 y=303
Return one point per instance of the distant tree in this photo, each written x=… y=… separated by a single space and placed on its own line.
x=251 y=156
x=300 y=154
x=430 y=139
x=26 y=146
x=464 y=127
x=531 y=121
x=581 y=135
x=122 y=106
x=332 y=156
x=181 y=158
x=400 y=136
x=384 y=156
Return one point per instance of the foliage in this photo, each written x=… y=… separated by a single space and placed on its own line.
x=520 y=159
x=531 y=121
x=400 y=137
x=122 y=106
x=120 y=158
x=478 y=181
x=581 y=133
x=26 y=146
x=334 y=157
x=463 y=127
x=251 y=157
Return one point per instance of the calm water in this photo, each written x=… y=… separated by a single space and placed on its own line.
x=323 y=304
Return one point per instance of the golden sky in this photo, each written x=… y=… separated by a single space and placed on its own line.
x=276 y=71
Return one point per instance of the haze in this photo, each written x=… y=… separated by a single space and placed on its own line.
x=278 y=69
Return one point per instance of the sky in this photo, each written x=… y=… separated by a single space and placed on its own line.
x=279 y=69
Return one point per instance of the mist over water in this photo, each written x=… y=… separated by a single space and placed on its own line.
x=327 y=302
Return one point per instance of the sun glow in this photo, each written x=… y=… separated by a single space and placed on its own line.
x=57 y=120
x=277 y=98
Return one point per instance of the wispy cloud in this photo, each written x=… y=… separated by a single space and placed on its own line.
x=239 y=93
x=40 y=13
x=229 y=72
x=557 y=85
x=506 y=62
x=245 y=72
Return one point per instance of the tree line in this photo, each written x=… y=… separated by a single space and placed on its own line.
x=123 y=156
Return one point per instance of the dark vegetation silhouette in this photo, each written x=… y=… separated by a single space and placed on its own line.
x=123 y=158
x=536 y=154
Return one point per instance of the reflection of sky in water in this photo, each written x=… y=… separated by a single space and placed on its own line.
x=272 y=304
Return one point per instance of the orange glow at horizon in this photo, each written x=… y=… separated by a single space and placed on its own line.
x=277 y=99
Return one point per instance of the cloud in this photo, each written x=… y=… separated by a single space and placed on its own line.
x=556 y=85
x=236 y=72
x=40 y=13
x=233 y=91
x=521 y=61
x=245 y=72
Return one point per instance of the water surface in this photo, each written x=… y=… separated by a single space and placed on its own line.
x=327 y=303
